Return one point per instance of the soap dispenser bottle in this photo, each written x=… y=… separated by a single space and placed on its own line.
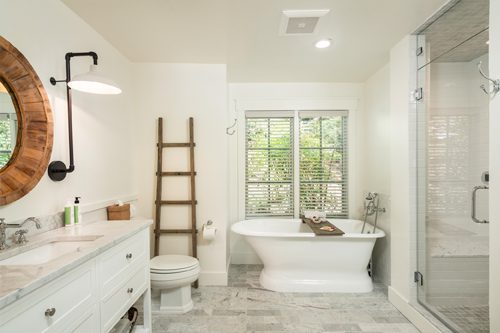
x=68 y=214
x=76 y=211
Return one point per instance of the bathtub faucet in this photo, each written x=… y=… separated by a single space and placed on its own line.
x=372 y=207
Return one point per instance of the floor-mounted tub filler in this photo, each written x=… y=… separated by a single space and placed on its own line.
x=297 y=260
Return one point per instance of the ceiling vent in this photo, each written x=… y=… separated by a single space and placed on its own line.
x=301 y=22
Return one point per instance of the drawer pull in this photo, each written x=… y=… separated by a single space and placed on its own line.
x=129 y=256
x=50 y=312
x=130 y=290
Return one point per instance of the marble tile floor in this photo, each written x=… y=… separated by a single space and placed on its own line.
x=467 y=318
x=243 y=306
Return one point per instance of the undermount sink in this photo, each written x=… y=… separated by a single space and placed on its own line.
x=49 y=251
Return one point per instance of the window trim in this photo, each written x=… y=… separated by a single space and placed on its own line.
x=284 y=107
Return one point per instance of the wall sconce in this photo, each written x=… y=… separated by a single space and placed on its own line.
x=91 y=82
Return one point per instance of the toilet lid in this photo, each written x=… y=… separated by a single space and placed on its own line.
x=172 y=263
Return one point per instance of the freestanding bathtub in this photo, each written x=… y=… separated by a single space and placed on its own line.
x=296 y=260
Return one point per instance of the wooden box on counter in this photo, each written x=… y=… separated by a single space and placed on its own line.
x=116 y=212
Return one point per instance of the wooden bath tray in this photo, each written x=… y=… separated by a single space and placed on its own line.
x=315 y=227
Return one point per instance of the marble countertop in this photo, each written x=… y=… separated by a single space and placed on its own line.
x=17 y=281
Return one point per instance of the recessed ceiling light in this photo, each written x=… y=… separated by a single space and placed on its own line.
x=323 y=43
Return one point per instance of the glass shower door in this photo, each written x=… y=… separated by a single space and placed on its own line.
x=452 y=157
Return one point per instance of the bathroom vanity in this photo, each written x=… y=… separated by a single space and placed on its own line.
x=76 y=279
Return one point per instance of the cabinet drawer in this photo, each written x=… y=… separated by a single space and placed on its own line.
x=87 y=323
x=115 y=263
x=51 y=307
x=114 y=306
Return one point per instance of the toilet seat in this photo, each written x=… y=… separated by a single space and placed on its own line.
x=173 y=264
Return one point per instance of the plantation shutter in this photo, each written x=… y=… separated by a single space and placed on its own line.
x=269 y=164
x=323 y=161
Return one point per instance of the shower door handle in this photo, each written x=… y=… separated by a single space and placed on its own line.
x=473 y=210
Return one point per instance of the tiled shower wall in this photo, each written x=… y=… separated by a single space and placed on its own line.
x=457 y=142
x=457 y=155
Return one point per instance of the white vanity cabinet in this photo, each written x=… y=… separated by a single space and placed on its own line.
x=54 y=307
x=89 y=298
x=124 y=276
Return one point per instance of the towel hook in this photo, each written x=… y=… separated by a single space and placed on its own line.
x=230 y=130
x=496 y=83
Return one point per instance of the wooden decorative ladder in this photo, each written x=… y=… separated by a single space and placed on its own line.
x=192 y=201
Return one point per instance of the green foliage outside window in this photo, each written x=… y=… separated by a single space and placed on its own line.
x=5 y=142
x=270 y=165
x=323 y=167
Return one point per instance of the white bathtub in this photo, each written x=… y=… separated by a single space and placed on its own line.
x=296 y=260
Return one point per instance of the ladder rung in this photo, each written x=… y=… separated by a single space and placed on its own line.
x=177 y=173
x=178 y=202
x=177 y=145
x=175 y=231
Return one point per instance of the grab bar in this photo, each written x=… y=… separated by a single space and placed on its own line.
x=473 y=210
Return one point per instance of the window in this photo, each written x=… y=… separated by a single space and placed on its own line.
x=269 y=166
x=8 y=136
x=323 y=163
x=294 y=162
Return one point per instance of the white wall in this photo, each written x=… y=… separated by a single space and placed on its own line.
x=177 y=92
x=495 y=170
x=400 y=86
x=281 y=94
x=44 y=31
x=115 y=136
x=374 y=157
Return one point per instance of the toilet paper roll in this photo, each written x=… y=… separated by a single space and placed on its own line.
x=208 y=233
x=133 y=210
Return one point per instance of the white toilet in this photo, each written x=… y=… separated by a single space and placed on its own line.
x=173 y=275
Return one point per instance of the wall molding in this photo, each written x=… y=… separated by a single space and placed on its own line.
x=97 y=205
x=89 y=208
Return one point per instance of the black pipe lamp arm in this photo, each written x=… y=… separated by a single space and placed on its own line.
x=57 y=169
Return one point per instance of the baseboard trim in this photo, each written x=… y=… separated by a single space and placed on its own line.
x=213 y=278
x=413 y=315
x=245 y=258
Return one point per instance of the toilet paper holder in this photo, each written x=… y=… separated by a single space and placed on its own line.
x=208 y=231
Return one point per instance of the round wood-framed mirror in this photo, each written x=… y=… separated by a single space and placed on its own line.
x=33 y=142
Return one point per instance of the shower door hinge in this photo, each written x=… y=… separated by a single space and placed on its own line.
x=419 y=94
x=420 y=50
x=418 y=278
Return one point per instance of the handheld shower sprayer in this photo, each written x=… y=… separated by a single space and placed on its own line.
x=371 y=196
x=372 y=207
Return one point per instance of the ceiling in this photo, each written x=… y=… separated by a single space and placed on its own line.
x=460 y=33
x=244 y=34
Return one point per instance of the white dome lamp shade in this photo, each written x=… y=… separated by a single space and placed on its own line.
x=94 y=83
x=90 y=82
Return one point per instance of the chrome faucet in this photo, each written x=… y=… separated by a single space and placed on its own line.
x=29 y=219
x=21 y=234
x=372 y=207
